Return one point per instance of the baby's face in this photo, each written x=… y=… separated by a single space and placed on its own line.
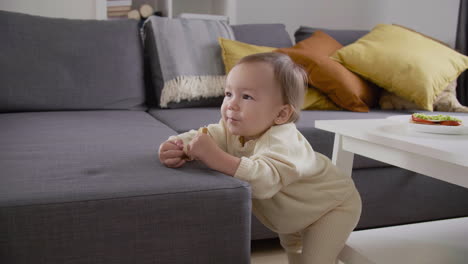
x=252 y=100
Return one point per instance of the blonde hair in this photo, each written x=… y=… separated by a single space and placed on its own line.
x=291 y=78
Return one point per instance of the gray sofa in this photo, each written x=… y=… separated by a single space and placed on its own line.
x=80 y=181
x=79 y=177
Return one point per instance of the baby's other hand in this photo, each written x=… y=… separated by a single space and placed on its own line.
x=202 y=147
x=171 y=153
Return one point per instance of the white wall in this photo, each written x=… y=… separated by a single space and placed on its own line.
x=77 y=9
x=436 y=18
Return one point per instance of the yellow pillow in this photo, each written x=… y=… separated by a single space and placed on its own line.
x=233 y=51
x=316 y=100
x=404 y=62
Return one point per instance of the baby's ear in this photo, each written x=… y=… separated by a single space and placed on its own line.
x=284 y=114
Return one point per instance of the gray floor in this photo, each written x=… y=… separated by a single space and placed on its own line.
x=268 y=252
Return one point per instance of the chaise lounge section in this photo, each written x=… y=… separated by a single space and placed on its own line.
x=80 y=180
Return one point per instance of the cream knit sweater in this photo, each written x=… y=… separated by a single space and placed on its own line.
x=292 y=186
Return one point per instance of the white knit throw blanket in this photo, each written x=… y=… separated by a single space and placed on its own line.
x=192 y=88
x=190 y=57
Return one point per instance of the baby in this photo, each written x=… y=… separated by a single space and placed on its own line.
x=296 y=192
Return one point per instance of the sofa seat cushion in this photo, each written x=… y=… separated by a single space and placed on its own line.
x=182 y=120
x=77 y=184
x=67 y=156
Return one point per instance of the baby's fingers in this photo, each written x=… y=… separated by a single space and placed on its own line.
x=181 y=162
x=179 y=143
x=173 y=163
x=173 y=153
x=170 y=154
x=168 y=145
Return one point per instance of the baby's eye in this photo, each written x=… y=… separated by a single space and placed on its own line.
x=247 y=97
x=227 y=94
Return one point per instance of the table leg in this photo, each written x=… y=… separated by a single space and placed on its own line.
x=344 y=160
x=341 y=158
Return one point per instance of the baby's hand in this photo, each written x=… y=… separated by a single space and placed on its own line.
x=171 y=153
x=202 y=147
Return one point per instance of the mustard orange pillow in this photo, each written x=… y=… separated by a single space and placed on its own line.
x=342 y=86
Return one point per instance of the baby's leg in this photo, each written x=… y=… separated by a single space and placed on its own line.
x=324 y=239
x=292 y=244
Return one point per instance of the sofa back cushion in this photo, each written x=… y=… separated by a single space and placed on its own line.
x=271 y=35
x=343 y=36
x=64 y=64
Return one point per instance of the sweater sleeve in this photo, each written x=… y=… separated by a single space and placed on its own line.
x=278 y=162
x=262 y=175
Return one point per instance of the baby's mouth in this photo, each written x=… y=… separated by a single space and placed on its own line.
x=231 y=119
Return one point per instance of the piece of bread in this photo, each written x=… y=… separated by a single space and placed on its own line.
x=134 y=14
x=146 y=10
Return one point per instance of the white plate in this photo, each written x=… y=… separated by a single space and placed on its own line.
x=450 y=130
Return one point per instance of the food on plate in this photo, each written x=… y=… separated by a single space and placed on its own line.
x=443 y=120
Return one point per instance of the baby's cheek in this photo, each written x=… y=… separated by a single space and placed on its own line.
x=223 y=111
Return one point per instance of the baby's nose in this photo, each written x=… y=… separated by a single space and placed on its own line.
x=233 y=105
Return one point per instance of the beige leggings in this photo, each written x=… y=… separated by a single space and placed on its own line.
x=321 y=242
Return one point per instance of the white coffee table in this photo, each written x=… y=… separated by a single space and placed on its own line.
x=444 y=157
x=441 y=156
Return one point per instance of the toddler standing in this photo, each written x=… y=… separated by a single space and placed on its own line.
x=296 y=192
